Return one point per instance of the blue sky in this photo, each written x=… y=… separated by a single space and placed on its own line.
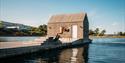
x=104 y=14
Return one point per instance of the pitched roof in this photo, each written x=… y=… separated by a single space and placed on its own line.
x=67 y=18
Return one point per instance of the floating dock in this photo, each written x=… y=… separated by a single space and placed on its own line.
x=20 y=48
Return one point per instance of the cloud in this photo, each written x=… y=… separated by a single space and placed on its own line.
x=101 y=27
x=115 y=24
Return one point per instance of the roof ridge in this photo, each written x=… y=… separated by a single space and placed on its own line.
x=75 y=17
x=69 y=14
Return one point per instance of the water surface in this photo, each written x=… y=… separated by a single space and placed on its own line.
x=107 y=50
x=102 y=50
x=17 y=39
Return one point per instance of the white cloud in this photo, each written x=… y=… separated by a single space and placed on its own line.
x=115 y=24
x=101 y=27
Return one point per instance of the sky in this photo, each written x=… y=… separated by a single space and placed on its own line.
x=103 y=14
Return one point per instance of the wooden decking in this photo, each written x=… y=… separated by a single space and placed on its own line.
x=8 y=49
x=37 y=41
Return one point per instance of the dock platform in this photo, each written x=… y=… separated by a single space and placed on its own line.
x=8 y=49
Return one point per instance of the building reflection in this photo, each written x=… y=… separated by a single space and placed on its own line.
x=70 y=55
x=74 y=55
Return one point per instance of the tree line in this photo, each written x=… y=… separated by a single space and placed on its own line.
x=34 y=31
x=98 y=32
x=120 y=33
x=42 y=31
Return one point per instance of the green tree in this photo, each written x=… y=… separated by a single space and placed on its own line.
x=33 y=31
x=91 y=32
x=43 y=29
x=96 y=31
x=1 y=24
x=102 y=32
x=121 y=33
x=40 y=31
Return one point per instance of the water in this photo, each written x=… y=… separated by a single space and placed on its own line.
x=13 y=39
x=107 y=50
x=102 y=50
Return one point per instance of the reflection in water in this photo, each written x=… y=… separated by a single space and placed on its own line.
x=74 y=55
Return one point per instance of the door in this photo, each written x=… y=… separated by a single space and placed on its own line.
x=74 y=31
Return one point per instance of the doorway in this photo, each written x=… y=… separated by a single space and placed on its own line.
x=74 y=31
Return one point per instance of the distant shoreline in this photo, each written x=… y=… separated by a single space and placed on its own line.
x=106 y=36
x=22 y=36
x=89 y=36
